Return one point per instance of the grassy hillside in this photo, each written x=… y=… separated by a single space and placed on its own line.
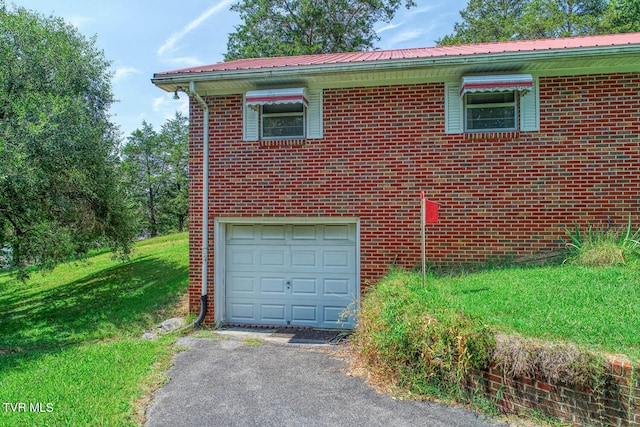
x=70 y=346
x=596 y=308
x=559 y=321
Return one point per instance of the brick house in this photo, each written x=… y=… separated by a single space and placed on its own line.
x=316 y=164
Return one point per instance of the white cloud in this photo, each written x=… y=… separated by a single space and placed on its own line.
x=388 y=27
x=165 y=106
x=183 y=61
x=406 y=36
x=159 y=103
x=175 y=37
x=78 y=21
x=121 y=73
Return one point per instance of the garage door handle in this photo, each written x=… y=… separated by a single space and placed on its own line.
x=288 y=284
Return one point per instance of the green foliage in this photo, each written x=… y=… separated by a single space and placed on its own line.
x=486 y=21
x=498 y=20
x=72 y=338
x=622 y=16
x=300 y=27
x=427 y=351
x=59 y=189
x=98 y=298
x=552 y=319
x=561 y=18
x=603 y=247
x=155 y=173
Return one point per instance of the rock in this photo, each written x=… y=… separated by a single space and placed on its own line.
x=149 y=335
x=171 y=325
x=165 y=327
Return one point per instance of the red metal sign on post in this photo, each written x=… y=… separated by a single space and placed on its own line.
x=432 y=211
x=428 y=214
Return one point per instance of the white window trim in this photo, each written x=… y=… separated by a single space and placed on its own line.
x=528 y=109
x=314 y=128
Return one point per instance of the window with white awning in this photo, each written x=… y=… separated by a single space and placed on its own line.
x=277 y=96
x=498 y=102
x=282 y=114
x=496 y=83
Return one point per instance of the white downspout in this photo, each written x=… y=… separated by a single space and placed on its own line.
x=205 y=204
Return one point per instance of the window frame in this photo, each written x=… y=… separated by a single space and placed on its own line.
x=470 y=106
x=302 y=114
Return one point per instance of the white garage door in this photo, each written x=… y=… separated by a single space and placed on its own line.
x=300 y=275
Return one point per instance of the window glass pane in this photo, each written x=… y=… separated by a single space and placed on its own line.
x=283 y=126
x=491 y=118
x=491 y=111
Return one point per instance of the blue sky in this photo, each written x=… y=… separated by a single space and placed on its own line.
x=142 y=37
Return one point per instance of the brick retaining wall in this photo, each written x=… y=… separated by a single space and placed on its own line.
x=616 y=402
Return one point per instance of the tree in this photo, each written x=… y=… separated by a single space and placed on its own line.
x=59 y=188
x=143 y=168
x=622 y=16
x=486 y=21
x=175 y=201
x=502 y=20
x=299 y=27
x=155 y=170
x=561 y=18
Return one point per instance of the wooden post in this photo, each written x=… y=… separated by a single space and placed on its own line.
x=423 y=238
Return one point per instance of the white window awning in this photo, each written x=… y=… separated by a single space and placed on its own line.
x=277 y=96
x=496 y=83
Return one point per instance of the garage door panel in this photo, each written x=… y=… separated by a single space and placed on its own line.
x=290 y=274
x=240 y=232
x=304 y=232
x=338 y=232
x=242 y=312
x=272 y=232
x=273 y=258
x=335 y=287
x=335 y=259
x=272 y=285
x=304 y=258
x=241 y=257
x=333 y=314
x=304 y=286
x=239 y=284
x=272 y=312
x=304 y=313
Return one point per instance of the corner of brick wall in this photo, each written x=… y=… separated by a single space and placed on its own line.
x=616 y=403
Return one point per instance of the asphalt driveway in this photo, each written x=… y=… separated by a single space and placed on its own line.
x=224 y=382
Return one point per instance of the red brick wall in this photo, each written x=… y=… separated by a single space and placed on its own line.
x=501 y=194
x=614 y=402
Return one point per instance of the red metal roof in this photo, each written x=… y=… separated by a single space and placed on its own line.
x=416 y=53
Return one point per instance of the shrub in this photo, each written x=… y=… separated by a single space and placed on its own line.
x=430 y=354
x=603 y=247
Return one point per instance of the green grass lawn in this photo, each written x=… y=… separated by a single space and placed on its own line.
x=594 y=307
x=70 y=346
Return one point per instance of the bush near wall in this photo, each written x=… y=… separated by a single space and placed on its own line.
x=447 y=355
